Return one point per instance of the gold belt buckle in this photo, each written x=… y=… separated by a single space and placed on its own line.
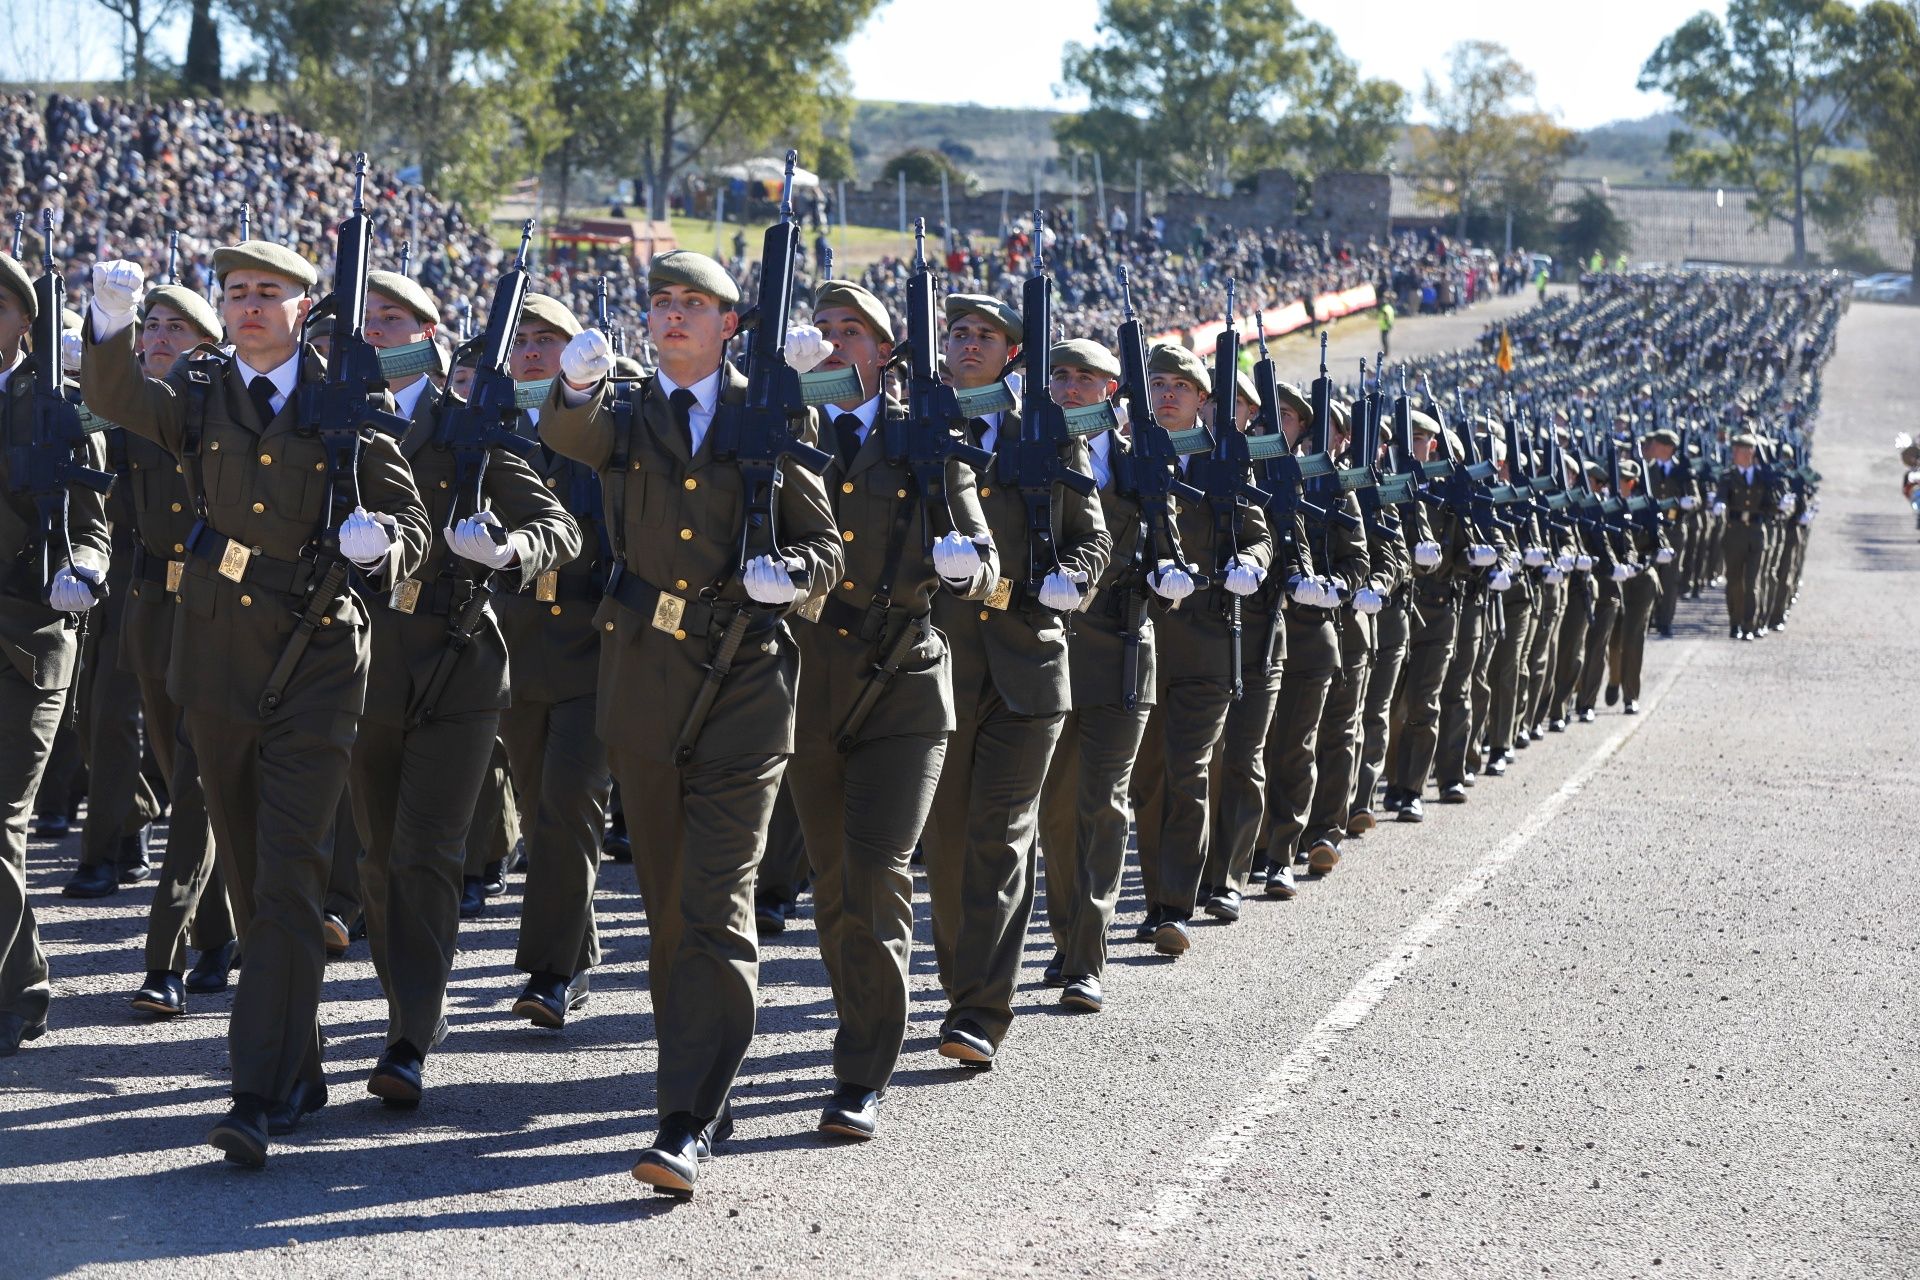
x=546 y=587
x=233 y=561
x=176 y=569
x=667 y=612
x=406 y=596
x=1001 y=596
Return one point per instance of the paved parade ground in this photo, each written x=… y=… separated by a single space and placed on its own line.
x=1643 y=1007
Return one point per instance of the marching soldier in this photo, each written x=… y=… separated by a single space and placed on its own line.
x=698 y=773
x=1669 y=477
x=436 y=687
x=1639 y=595
x=1746 y=496
x=1440 y=561
x=1012 y=688
x=40 y=640
x=875 y=704
x=271 y=643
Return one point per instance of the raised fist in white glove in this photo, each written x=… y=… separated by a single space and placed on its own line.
x=1480 y=555
x=1554 y=574
x=1622 y=570
x=1583 y=562
x=1688 y=502
x=586 y=360
x=1243 y=579
x=364 y=538
x=116 y=290
x=1061 y=590
x=1663 y=556
x=1566 y=562
x=72 y=590
x=1367 y=600
x=1426 y=554
x=770 y=581
x=956 y=559
x=71 y=351
x=1170 y=582
x=806 y=347
x=481 y=539
x=1500 y=580
x=1719 y=509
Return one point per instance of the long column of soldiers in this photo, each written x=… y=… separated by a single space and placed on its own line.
x=869 y=585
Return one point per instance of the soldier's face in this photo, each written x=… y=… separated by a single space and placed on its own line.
x=855 y=346
x=689 y=327
x=461 y=382
x=1660 y=450
x=1176 y=401
x=263 y=312
x=1743 y=455
x=1292 y=425
x=1339 y=441
x=14 y=324
x=976 y=352
x=388 y=324
x=1243 y=412
x=1423 y=445
x=536 y=352
x=164 y=337
x=1073 y=387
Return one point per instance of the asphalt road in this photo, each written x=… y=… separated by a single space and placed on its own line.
x=1641 y=1008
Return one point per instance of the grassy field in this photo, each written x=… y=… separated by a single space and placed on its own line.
x=853 y=247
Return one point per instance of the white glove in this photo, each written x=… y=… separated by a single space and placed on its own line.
x=1367 y=600
x=1622 y=570
x=770 y=581
x=1303 y=589
x=586 y=360
x=116 y=293
x=71 y=350
x=1534 y=557
x=1566 y=562
x=1243 y=579
x=1663 y=556
x=1480 y=555
x=1554 y=575
x=1170 y=582
x=1500 y=580
x=72 y=590
x=1332 y=593
x=806 y=347
x=1806 y=517
x=1061 y=591
x=1719 y=509
x=1688 y=502
x=364 y=539
x=1426 y=554
x=956 y=559
x=481 y=539
x=1583 y=562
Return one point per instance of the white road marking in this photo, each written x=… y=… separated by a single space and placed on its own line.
x=1231 y=1141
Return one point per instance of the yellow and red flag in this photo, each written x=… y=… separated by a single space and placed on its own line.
x=1504 y=356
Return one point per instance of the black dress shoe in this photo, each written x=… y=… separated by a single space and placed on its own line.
x=1453 y=793
x=473 y=898
x=671 y=1163
x=493 y=878
x=135 y=872
x=209 y=972
x=1084 y=994
x=1323 y=857
x=1586 y=715
x=241 y=1134
x=1280 y=883
x=1497 y=767
x=967 y=1045
x=547 y=999
x=1470 y=778
x=1559 y=725
x=96 y=881
x=396 y=1076
x=617 y=847
x=302 y=1101
x=1053 y=975
x=717 y=1131
x=1224 y=905
x=1632 y=708
x=15 y=1030
x=133 y=862
x=54 y=826
x=1413 y=810
x=520 y=854
x=852 y=1112
x=163 y=993
x=333 y=931
x=1613 y=695
x=1393 y=800
x=1172 y=938
x=1360 y=821
x=1149 y=926
x=770 y=918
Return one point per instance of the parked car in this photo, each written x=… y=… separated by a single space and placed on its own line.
x=1891 y=288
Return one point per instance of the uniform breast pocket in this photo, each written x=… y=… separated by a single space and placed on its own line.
x=653 y=496
x=226 y=466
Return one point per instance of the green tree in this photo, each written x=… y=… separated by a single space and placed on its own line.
x=1488 y=149
x=1888 y=108
x=1591 y=224
x=923 y=167
x=200 y=72
x=1771 y=87
x=1204 y=93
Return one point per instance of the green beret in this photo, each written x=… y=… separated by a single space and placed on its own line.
x=13 y=278
x=1169 y=357
x=263 y=255
x=693 y=271
x=992 y=310
x=1339 y=414
x=1455 y=450
x=1291 y=395
x=1746 y=438
x=1085 y=353
x=193 y=308
x=1423 y=423
x=551 y=312
x=856 y=298
x=1629 y=468
x=1243 y=385
x=1665 y=435
x=397 y=288
x=1594 y=470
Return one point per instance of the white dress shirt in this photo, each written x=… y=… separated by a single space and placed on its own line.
x=282 y=378
x=706 y=397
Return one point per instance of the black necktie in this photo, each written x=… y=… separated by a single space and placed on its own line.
x=846 y=432
x=260 y=390
x=682 y=401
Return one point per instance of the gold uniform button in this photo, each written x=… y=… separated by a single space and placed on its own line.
x=679 y=635
x=176 y=469
x=689 y=483
x=326 y=622
x=259 y=508
x=266 y=459
x=179 y=547
x=846 y=535
x=443 y=484
x=983 y=615
x=634 y=465
x=679 y=584
x=985 y=492
x=176 y=506
x=213 y=445
x=847 y=585
x=608 y=625
x=843 y=631
x=555 y=611
x=177 y=600
x=847 y=487
x=686 y=535
x=319 y=466
x=246 y=600
x=899 y=493
x=553 y=484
